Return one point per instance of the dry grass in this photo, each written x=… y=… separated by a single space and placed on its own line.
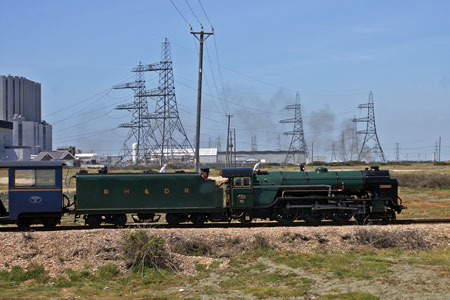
x=423 y=180
x=381 y=239
x=143 y=250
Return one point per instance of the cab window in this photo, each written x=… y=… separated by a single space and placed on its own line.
x=41 y=177
x=238 y=181
x=246 y=181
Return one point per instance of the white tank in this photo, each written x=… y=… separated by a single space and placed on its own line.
x=134 y=152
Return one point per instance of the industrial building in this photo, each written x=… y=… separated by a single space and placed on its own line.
x=267 y=156
x=23 y=132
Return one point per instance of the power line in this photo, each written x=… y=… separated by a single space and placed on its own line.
x=354 y=93
x=94 y=118
x=179 y=12
x=214 y=79
x=193 y=13
x=76 y=103
x=252 y=107
x=220 y=70
x=204 y=11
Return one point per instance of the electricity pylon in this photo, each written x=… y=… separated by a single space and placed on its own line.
x=298 y=144
x=170 y=139
x=139 y=127
x=371 y=143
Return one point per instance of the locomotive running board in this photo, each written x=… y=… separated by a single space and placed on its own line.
x=321 y=207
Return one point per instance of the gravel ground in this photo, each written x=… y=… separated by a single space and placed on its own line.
x=92 y=248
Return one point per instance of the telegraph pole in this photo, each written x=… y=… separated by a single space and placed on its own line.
x=201 y=36
x=397 y=152
x=439 y=156
x=227 y=159
x=235 y=146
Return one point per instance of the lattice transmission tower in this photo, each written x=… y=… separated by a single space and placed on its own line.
x=298 y=144
x=342 y=148
x=371 y=143
x=169 y=137
x=354 y=150
x=137 y=142
x=254 y=145
x=333 y=152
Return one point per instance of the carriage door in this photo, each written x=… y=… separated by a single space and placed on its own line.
x=242 y=193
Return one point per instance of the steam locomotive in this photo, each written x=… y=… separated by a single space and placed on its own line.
x=35 y=196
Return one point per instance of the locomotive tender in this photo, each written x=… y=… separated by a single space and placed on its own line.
x=186 y=197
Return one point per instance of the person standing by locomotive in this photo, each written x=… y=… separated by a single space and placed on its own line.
x=204 y=173
x=257 y=166
x=163 y=169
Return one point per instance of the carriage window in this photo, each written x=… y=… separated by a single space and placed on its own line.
x=246 y=181
x=45 y=177
x=34 y=177
x=238 y=181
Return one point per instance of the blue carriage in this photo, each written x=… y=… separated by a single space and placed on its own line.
x=34 y=193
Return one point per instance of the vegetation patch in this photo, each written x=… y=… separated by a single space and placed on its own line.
x=349 y=296
x=342 y=265
x=190 y=246
x=32 y=272
x=258 y=281
x=143 y=250
x=422 y=180
x=260 y=243
x=382 y=239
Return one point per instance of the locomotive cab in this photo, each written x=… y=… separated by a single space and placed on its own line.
x=242 y=192
x=240 y=189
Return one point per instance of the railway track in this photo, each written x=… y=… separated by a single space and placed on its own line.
x=230 y=225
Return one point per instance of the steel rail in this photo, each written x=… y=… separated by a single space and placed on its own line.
x=230 y=225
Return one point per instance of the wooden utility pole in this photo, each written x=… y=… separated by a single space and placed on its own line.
x=235 y=145
x=439 y=156
x=227 y=158
x=201 y=37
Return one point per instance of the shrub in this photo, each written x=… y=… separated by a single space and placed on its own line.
x=142 y=250
x=422 y=180
x=382 y=239
x=190 y=246
x=261 y=243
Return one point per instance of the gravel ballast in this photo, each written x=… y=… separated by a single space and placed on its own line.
x=89 y=249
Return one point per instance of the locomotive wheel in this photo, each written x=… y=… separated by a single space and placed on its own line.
x=340 y=215
x=198 y=219
x=119 y=220
x=283 y=214
x=93 y=221
x=313 y=216
x=173 y=219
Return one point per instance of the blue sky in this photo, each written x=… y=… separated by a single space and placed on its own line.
x=332 y=52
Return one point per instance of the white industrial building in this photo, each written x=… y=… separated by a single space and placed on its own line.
x=20 y=104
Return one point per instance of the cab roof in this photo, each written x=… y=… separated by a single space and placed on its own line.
x=30 y=164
